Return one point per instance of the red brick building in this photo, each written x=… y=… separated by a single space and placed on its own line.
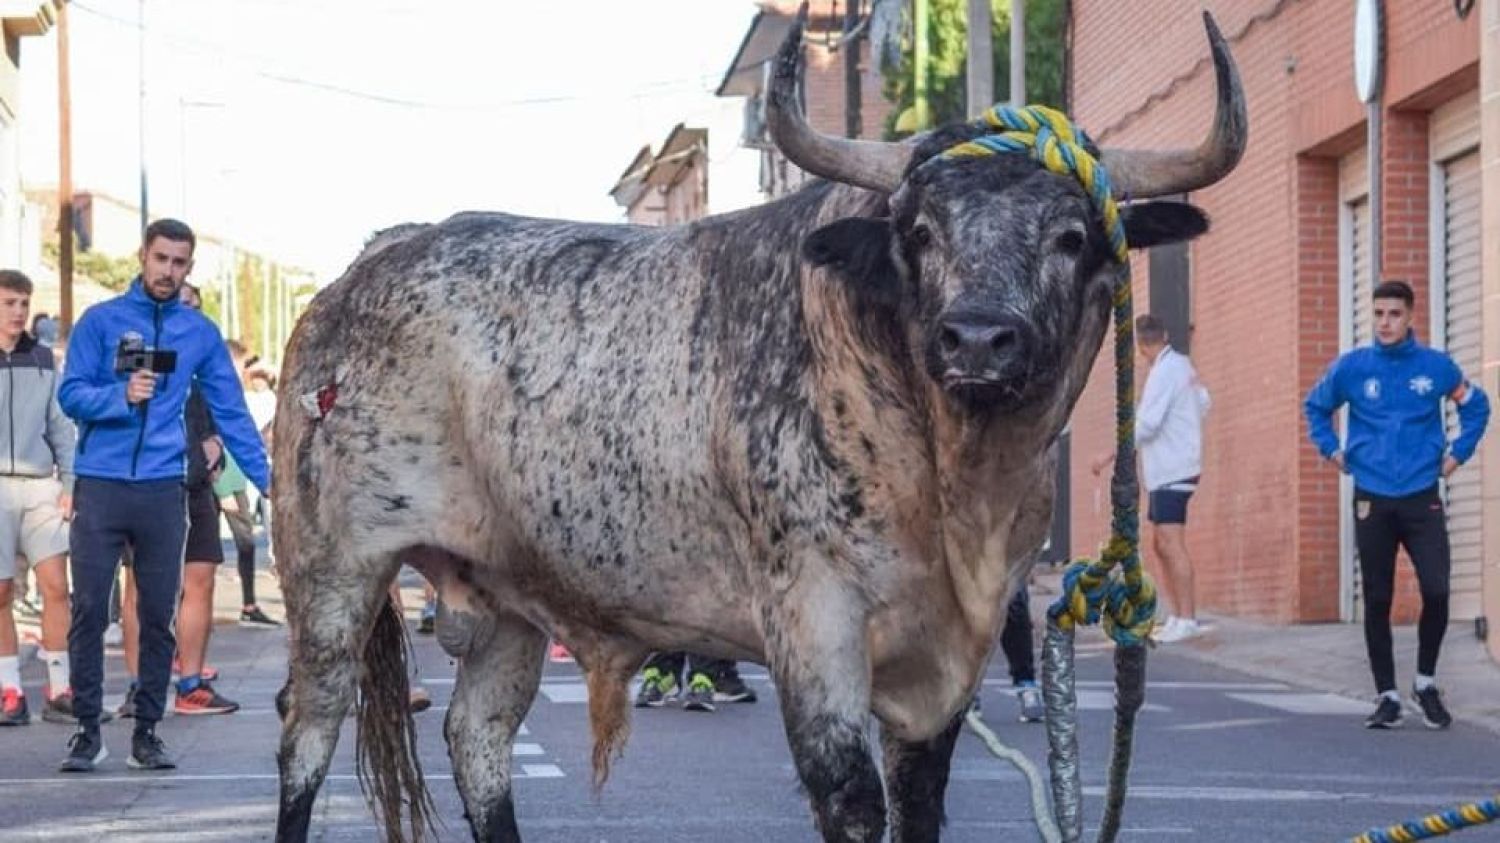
x=1281 y=285
x=823 y=83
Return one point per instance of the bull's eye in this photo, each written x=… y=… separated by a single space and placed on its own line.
x=1069 y=243
x=921 y=236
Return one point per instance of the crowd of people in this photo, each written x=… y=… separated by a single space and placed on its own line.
x=130 y=448
x=126 y=451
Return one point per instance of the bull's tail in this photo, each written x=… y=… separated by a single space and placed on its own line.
x=390 y=773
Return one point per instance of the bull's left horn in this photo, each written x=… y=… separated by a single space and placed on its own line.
x=869 y=164
x=1140 y=174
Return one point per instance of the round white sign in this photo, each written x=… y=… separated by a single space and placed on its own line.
x=1368 y=57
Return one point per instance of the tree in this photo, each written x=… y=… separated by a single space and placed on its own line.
x=947 y=47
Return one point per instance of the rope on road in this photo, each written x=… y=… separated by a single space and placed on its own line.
x=1436 y=825
x=1039 y=808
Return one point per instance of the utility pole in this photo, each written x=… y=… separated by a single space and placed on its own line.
x=1018 y=53
x=853 y=121
x=981 y=65
x=141 y=108
x=921 y=109
x=64 y=173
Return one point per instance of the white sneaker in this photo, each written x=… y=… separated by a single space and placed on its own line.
x=1164 y=627
x=114 y=636
x=1181 y=630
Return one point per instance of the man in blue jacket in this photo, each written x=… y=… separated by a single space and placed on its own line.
x=1397 y=451
x=126 y=392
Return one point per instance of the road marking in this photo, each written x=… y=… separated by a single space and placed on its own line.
x=1224 y=724
x=527 y=749
x=526 y=771
x=1306 y=703
x=566 y=692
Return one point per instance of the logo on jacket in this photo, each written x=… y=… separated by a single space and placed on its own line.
x=1372 y=389
x=1421 y=384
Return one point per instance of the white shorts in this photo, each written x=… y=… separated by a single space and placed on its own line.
x=30 y=523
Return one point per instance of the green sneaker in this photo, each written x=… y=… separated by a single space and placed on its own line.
x=700 y=693
x=657 y=689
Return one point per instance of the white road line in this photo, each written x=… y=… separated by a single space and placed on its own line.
x=566 y=692
x=1223 y=724
x=525 y=771
x=1306 y=703
x=527 y=749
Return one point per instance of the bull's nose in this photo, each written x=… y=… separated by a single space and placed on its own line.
x=982 y=348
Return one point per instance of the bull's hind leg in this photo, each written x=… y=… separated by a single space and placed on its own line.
x=330 y=619
x=498 y=675
x=818 y=656
x=916 y=780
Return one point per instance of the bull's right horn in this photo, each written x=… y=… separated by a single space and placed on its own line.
x=1140 y=174
x=873 y=165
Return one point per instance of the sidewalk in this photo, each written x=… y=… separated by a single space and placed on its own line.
x=1331 y=658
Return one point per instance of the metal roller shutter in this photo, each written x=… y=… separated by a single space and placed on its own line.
x=1462 y=331
x=1364 y=307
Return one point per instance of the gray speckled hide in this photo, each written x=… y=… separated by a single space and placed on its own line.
x=683 y=438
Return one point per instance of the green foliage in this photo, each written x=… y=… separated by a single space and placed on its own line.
x=247 y=280
x=111 y=273
x=947 y=50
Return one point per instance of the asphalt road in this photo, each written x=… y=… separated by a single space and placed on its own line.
x=1219 y=756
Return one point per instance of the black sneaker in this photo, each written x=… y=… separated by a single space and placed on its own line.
x=148 y=753
x=700 y=693
x=657 y=689
x=254 y=618
x=1387 y=714
x=13 y=710
x=1434 y=713
x=730 y=688
x=85 y=751
x=127 y=708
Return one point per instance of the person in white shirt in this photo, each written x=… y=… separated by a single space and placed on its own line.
x=1169 y=436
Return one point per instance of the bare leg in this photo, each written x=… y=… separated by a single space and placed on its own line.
x=52 y=579
x=195 y=616
x=9 y=644
x=1171 y=542
x=130 y=626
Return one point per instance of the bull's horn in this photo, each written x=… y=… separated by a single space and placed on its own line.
x=869 y=164
x=1141 y=174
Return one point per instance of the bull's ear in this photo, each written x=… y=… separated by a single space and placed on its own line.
x=1150 y=224
x=858 y=248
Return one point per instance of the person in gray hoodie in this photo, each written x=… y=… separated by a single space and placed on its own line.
x=36 y=502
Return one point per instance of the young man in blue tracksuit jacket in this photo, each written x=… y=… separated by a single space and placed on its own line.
x=130 y=466
x=1397 y=451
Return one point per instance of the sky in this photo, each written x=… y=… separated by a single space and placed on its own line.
x=299 y=127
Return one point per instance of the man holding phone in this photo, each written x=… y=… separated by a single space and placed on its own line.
x=131 y=363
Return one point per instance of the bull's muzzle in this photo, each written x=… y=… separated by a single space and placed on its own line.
x=983 y=351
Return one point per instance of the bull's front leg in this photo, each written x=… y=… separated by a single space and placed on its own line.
x=816 y=638
x=916 y=780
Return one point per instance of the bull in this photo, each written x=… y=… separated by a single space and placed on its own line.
x=815 y=434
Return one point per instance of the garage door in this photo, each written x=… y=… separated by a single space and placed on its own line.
x=1462 y=328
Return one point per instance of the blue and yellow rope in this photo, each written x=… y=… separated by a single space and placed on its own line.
x=1091 y=590
x=1436 y=825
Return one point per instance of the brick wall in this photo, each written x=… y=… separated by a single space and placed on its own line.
x=1264 y=526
